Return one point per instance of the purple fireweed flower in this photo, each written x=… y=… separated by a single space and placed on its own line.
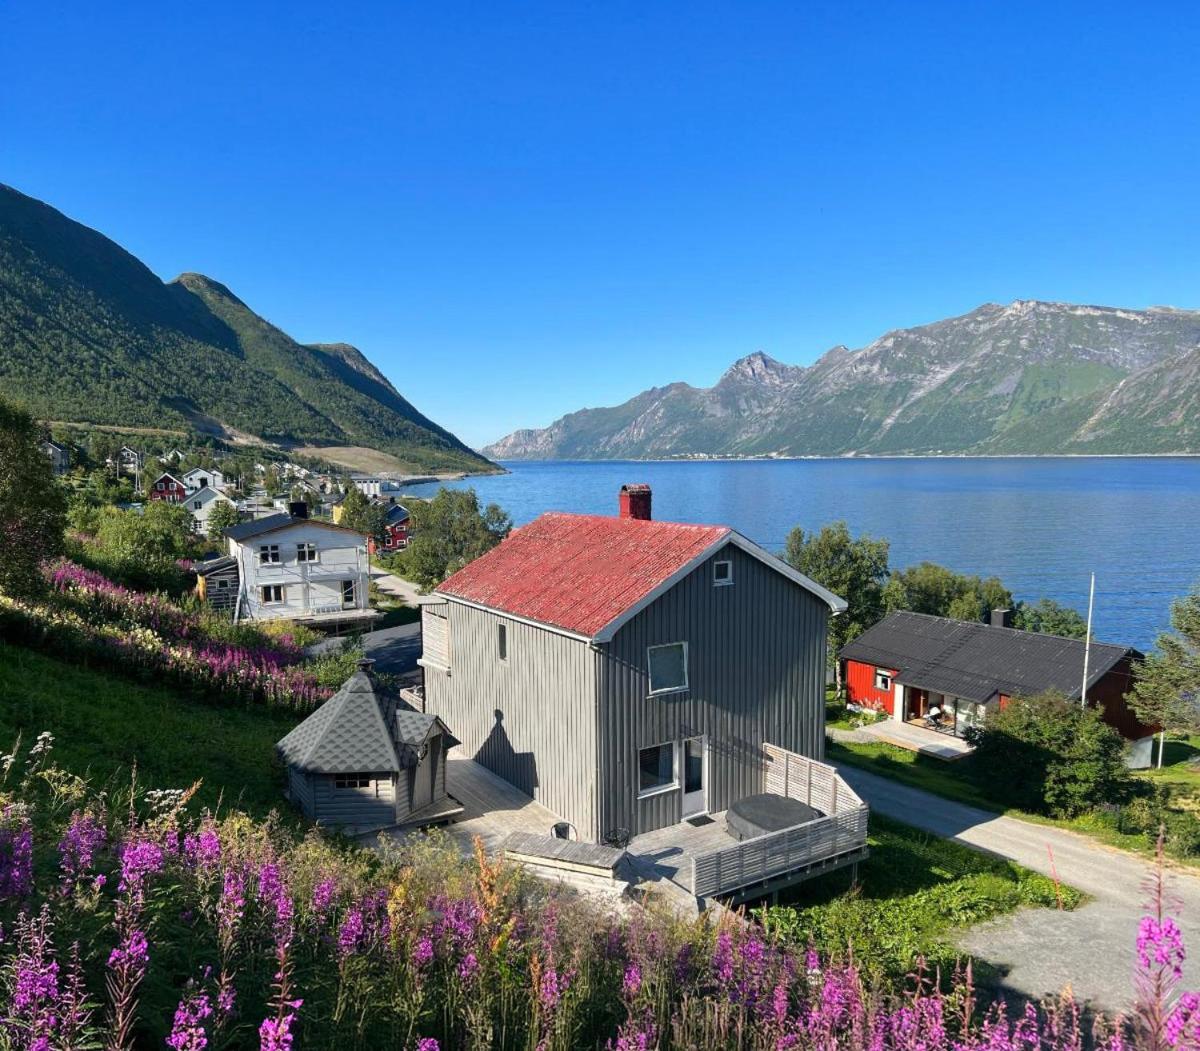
x=469 y=967
x=1161 y=945
x=422 y=952
x=552 y=987
x=350 y=935
x=77 y=849
x=133 y=952
x=275 y=1034
x=428 y=1043
x=232 y=904
x=1182 y=1029
x=631 y=984
x=188 y=1032
x=16 y=854
x=722 y=960
x=140 y=859
x=322 y=898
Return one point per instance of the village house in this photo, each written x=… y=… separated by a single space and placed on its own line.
x=168 y=488
x=396 y=530
x=642 y=678
x=59 y=455
x=202 y=477
x=366 y=759
x=935 y=673
x=290 y=567
x=201 y=502
x=385 y=490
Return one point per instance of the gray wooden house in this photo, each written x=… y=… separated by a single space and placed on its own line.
x=366 y=759
x=629 y=674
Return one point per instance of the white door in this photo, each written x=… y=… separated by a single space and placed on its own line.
x=695 y=777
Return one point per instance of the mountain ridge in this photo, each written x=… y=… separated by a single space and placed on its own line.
x=89 y=334
x=1031 y=377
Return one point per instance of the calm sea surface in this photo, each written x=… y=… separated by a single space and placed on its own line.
x=1041 y=525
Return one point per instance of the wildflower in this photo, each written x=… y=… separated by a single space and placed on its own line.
x=133 y=952
x=275 y=1034
x=188 y=1032
x=16 y=853
x=77 y=849
x=351 y=933
x=1182 y=1029
x=322 y=898
x=140 y=859
x=469 y=967
x=632 y=982
x=723 y=958
x=1160 y=944
x=422 y=952
x=428 y=1043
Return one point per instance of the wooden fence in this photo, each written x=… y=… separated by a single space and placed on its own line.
x=816 y=845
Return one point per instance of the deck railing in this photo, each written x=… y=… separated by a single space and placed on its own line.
x=840 y=833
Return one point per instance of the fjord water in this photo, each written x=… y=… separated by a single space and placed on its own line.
x=1041 y=525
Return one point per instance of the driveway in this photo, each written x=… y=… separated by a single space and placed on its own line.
x=394 y=649
x=402 y=589
x=1043 y=949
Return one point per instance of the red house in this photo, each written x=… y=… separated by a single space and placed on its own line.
x=168 y=488
x=946 y=673
x=397 y=531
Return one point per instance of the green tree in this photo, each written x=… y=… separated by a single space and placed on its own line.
x=142 y=548
x=221 y=517
x=32 y=503
x=940 y=592
x=854 y=568
x=448 y=532
x=361 y=514
x=1048 y=753
x=1166 y=690
x=1050 y=618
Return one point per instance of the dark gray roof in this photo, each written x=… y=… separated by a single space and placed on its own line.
x=978 y=661
x=353 y=732
x=245 y=530
x=396 y=513
x=215 y=565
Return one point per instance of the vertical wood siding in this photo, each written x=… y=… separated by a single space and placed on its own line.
x=544 y=743
x=861 y=688
x=300 y=790
x=756 y=673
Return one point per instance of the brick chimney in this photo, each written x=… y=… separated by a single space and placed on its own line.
x=1002 y=618
x=635 y=502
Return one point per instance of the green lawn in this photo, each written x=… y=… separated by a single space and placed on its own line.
x=104 y=725
x=915 y=892
x=954 y=781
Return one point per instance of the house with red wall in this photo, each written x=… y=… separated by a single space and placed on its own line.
x=397 y=530
x=947 y=674
x=168 y=488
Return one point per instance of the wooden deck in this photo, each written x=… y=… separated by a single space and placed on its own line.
x=491 y=807
x=917 y=738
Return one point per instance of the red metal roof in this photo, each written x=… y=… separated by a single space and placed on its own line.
x=580 y=572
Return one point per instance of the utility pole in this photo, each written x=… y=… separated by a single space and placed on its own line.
x=1087 y=644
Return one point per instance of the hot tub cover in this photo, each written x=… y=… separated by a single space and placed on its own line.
x=758 y=815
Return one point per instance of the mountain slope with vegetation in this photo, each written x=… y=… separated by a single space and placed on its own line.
x=1027 y=378
x=89 y=334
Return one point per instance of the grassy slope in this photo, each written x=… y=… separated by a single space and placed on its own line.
x=104 y=725
x=916 y=892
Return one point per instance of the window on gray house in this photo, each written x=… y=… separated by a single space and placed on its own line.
x=306 y=552
x=352 y=781
x=272 y=593
x=668 y=667
x=722 y=572
x=268 y=553
x=656 y=768
x=502 y=641
x=198 y=504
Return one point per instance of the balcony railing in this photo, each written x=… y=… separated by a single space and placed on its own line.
x=836 y=838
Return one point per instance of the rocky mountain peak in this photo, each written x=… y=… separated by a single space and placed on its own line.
x=759 y=368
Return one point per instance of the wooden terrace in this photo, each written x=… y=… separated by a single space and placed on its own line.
x=698 y=857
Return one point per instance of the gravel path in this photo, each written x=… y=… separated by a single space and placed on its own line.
x=1042 y=949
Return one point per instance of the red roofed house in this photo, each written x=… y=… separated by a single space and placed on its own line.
x=169 y=488
x=632 y=674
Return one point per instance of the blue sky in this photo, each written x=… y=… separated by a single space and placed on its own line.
x=517 y=210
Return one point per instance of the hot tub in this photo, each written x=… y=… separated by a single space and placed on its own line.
x=767 y=812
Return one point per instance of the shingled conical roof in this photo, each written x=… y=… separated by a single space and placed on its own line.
x=347 y=734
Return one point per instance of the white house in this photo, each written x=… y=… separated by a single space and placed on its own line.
x=200 y=477
x=386 y=490
x=201 y=502
x=291 y=567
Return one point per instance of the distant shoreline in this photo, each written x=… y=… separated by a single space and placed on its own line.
x=858 y=456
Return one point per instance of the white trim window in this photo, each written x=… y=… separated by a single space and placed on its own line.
x=306 y=552
x=668 y=668
x=883 y=681
x=268 y=554
x=722 y=572
x=272 y=594
x=197 y=505
x=657 y=770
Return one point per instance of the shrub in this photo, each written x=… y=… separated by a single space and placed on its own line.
x=1047 y=753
